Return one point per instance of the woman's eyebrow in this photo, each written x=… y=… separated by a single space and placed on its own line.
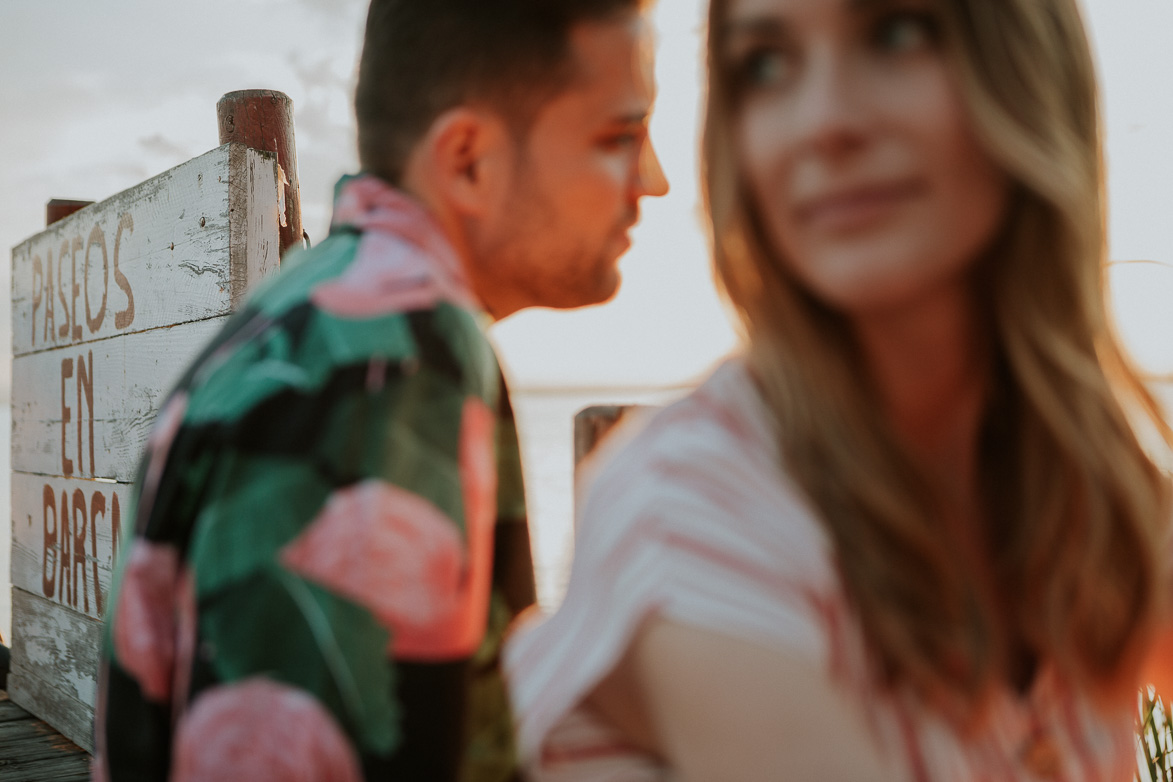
x=869 y=6
x=763 y=26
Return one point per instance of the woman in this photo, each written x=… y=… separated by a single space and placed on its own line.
x=911 y=534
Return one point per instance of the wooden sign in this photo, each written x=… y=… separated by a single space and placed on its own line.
x=109 y=306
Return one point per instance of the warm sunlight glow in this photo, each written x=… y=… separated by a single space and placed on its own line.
x=98 y=97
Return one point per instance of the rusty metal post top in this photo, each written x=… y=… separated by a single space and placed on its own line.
x=263 y=120
x=238 y=94
x=60 y=208
x=244 y=98
x=242 y=113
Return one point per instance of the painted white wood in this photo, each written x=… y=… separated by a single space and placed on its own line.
x=54 y=429
x=64 y=534
x=54 y=665
x=180 y=247
x=258 y=205
x=110 y=306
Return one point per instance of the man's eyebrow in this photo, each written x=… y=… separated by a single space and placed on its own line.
x=633 y=118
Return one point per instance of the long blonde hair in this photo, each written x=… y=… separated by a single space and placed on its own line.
x=1076 y=511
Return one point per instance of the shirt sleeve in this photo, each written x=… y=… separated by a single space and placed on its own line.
x=693 y=521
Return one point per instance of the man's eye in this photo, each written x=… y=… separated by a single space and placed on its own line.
x=905 y=31
x=621 y=140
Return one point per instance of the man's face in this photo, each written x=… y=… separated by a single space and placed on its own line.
x=577 y=178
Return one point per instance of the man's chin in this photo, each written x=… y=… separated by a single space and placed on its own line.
x=601 y=292
x=606 y=291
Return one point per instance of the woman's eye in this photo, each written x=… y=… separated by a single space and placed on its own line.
x=766 y=67
x=905 y=31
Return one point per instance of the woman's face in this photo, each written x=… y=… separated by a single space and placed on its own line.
x=856 y=147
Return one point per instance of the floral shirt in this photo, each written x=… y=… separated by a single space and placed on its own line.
x=330 y=531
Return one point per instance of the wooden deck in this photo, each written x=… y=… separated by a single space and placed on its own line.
x=31 y=751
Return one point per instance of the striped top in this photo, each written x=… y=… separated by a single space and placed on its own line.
x=694 y=521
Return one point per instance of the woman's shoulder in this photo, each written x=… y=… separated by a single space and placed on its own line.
x=706 y=466
x=691 y=518
x=723 y=416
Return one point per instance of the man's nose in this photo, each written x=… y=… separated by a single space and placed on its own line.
x=652 y=180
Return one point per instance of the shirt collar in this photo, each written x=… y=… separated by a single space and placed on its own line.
x=367 y=203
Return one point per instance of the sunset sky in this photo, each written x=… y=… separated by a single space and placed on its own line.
x=96 y=97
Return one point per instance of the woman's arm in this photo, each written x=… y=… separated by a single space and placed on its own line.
x=1158 y=669
x=716 y=707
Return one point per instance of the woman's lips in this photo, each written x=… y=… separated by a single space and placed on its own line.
x=857 y=207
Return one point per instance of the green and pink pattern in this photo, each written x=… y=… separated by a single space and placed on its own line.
x=330 y=532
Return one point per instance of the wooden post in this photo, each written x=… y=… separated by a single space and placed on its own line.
x=60 y=208
x=263 y=120
x=593 y=424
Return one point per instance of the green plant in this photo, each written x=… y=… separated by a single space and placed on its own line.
x=1155 y=737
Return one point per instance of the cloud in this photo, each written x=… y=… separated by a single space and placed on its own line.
x=335 y=8
x=158 y=145
x=321 y=73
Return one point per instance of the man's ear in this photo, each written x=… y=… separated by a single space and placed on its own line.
x=468 y=153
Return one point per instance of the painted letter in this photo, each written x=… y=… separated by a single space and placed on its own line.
x=64 y=555
x=63 y=329
x=38 y=293
x=98 y=237
x=81 y=584
x=97 y=507
x=66 y=373
x=125 y=317
x=50 y=322
x=78 y=244
x=49 y=569
x=85 y=384
x=115 y=525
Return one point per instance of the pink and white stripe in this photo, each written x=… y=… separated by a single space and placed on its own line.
x=695 y=521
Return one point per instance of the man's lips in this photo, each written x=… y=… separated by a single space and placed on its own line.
x=624 y=234
x=857 y=206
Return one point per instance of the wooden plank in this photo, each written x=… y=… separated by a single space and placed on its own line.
x=67 y=769
x=86 y=411
x=593 y=424
x=33 y=752
x=152 y=256
x=64 y=539
x=28 y=740
x=55 y=664
x=9 y=711
x=61 y=768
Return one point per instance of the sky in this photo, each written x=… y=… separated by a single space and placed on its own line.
x=98 y=96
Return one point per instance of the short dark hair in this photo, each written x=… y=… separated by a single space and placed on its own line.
x=423 y=57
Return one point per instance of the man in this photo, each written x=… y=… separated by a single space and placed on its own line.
x=330 y=534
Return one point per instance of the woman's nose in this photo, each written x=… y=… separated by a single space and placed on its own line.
x=830 y=112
